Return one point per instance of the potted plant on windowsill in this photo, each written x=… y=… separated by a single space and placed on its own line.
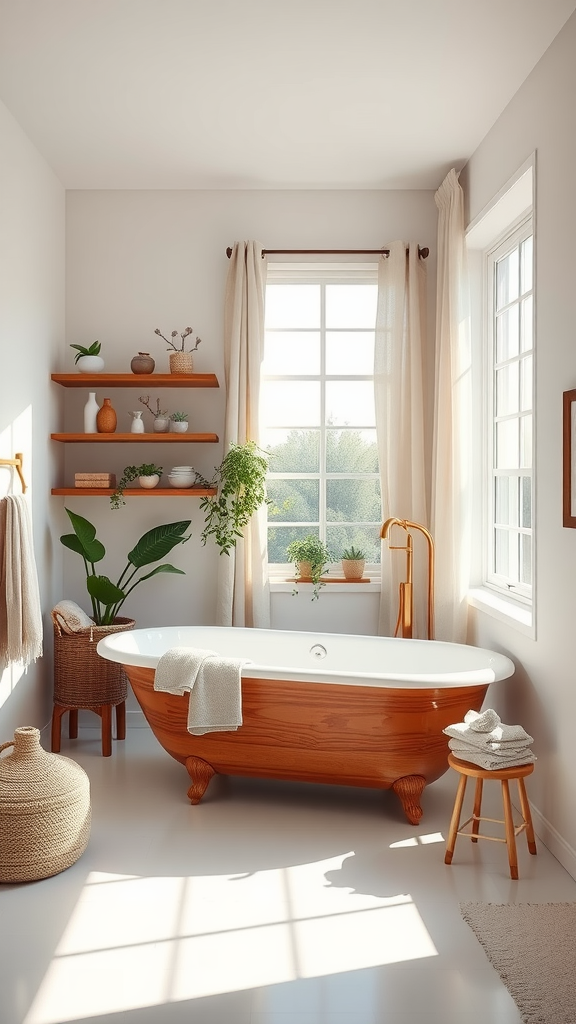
x=310 y=557
x=353 y=562
x=240 y=481
x=148 y=476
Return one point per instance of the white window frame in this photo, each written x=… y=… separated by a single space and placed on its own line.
x=324 y=273
x=501 y=584
x=508 y=213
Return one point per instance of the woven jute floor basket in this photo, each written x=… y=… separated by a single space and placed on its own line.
x=45 y=811
x=82 y=679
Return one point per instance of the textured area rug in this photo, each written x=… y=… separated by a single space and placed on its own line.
x=533 y=948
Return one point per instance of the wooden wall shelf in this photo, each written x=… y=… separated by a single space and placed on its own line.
x=136 y=380
x=137 y=492
x=169 y=438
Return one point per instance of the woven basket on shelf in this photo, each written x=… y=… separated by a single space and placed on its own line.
x=45 y=811
x=82 y=679
x=181 y=362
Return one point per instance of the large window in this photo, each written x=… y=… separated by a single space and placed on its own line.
x=509 y=534
x=317 y=408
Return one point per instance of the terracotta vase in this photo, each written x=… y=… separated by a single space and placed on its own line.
x=142 y=363
x=106 y=419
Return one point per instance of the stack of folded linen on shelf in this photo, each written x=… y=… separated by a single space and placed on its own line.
x=484 y=740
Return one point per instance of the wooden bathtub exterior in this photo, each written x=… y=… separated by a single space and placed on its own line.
x=385 y=738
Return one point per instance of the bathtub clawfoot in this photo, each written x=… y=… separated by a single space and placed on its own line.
x=409 y=790
x=200 y=772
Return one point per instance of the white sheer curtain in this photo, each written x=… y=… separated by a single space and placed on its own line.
x=399 y=398
x=451 y=475
x=243 y=597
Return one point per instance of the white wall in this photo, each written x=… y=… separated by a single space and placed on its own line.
x=139 y=260
x=543 y=694
x=32 y=214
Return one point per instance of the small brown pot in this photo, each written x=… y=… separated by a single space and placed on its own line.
x=142 y=363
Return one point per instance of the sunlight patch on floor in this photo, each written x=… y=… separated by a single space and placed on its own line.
x=143 y=941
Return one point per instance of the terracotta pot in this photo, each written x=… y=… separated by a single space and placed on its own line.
x=106 y=418
x=142 y=363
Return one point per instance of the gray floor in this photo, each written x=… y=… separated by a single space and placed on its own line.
x=269 y=903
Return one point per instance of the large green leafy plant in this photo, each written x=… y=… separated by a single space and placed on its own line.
x=107 y=598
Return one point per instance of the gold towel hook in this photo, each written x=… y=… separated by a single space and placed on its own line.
x=17 y=463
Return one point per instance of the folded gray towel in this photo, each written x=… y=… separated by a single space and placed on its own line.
x=482 y=721
x=487 y=759
x=490 y=740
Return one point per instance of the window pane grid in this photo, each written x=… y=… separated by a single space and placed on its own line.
x=340 y=414
x=509 y=563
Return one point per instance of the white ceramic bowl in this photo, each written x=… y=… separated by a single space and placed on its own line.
x=181 y=479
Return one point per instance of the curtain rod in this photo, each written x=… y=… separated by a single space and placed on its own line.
x=422 y=252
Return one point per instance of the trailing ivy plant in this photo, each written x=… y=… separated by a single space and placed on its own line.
x=107 y=598
x=312 y=550
x=240 y=481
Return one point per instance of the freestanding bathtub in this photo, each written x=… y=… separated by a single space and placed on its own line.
x=318 y=707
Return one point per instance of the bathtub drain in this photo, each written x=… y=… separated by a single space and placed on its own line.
x=318 y=651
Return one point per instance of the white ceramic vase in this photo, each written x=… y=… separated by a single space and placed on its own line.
x=90 y=364
x=161 y=424
x=137 y=426
x=90 y=413
x=178 y=426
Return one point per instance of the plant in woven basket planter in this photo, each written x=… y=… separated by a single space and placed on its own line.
x=106 y=597
x=310 y=557
x=240 y=481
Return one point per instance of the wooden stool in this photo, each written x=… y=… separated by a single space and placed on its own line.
x=105 y=712
x=518 y=772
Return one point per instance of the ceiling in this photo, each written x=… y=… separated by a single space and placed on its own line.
x=218 y=94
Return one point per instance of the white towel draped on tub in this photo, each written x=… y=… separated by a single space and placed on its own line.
x=214 y=684
x=20 y=611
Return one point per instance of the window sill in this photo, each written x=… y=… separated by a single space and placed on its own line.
x=513 y=613
x=284 y=586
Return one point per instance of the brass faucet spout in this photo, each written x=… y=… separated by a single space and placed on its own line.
x=405 y=614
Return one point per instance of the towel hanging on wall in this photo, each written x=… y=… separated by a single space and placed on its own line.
x=20 y=611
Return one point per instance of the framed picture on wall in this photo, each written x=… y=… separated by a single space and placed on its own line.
x=569 y=459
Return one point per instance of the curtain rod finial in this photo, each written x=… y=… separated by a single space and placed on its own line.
x=229 y=251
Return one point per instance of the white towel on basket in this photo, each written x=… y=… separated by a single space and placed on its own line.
x=20 y=611
x=214 y=684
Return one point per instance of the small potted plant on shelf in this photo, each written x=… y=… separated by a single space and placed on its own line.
x=161 y=419
x=179 y=422
x=240 y=481
x=310 y=557
x=180 y=359
x=88 y=359
x=148 y=475
x=353 y=562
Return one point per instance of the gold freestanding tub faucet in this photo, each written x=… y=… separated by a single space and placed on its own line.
x=405 y=620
